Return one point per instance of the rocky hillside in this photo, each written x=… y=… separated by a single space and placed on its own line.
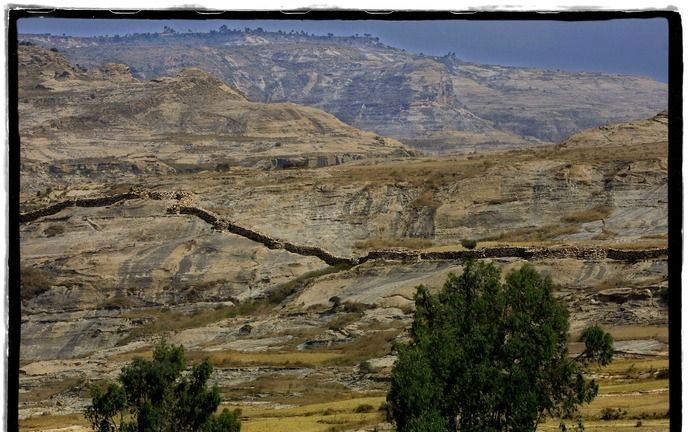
x=639 y=133
x=103 y=122
x=438 y=104
x=149 y=211
x=578 y=195
x=102 y=280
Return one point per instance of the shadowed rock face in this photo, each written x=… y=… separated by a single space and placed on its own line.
x=435 y=103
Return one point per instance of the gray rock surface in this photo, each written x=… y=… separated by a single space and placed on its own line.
x=437 y=104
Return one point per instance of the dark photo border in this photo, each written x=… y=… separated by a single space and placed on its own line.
x=675 y=156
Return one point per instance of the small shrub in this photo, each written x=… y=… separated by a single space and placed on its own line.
x=245 y=330
x=340 y=322
x=223 y=167
x=365 y=367
x=599 y=343
x=386 y=408
x=33 y=282
x=355 y=307
x=468 y=244
x=663 y=295
x=364 y=408
x=638 y=424
x=652 y=415
x=425 y=199
x=335 y=302
x=278 y=295
x=609 y=413
x=54 y=230
x=661 y=374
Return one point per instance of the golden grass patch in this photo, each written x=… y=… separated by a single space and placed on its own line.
x=618 y=425
x=289 y=389
x=334 y=423
x=371 y=345
x=658 y=386
x=338 y=406
x=641 y=244
x=166 y=320
x=633 y=403
x=334 y=416
x=624 y=365
x=631 y=152
x=53 y=422
x=622 y=333
x=588 y=215
x=230 y=358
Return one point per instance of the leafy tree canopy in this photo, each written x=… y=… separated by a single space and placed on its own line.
x=157 y=395
x=487 y=355
x=598 y=346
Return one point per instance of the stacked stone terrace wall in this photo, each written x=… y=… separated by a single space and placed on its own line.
x=221 y=224
x=76 y=202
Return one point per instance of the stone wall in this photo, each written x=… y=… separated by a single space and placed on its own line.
x=219 y=223
x=636 y=255
x=78 y=202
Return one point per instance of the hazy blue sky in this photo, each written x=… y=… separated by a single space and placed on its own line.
x=626 y=46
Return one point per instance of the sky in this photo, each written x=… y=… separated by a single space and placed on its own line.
x=622 y=46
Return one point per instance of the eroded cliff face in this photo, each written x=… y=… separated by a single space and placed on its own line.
x=606 y=191
x=174 y=248
x=551 y=105
x=159 y=251
x=438 y=104
x=103 y=123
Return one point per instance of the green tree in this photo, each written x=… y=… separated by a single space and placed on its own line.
x=598 y=346
x=158 y=395
x=487 y=355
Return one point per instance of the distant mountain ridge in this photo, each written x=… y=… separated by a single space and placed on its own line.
x=103 y=122
x=438 y=104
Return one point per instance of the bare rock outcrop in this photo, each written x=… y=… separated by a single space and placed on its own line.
x=184 y=205
x=190 y=121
